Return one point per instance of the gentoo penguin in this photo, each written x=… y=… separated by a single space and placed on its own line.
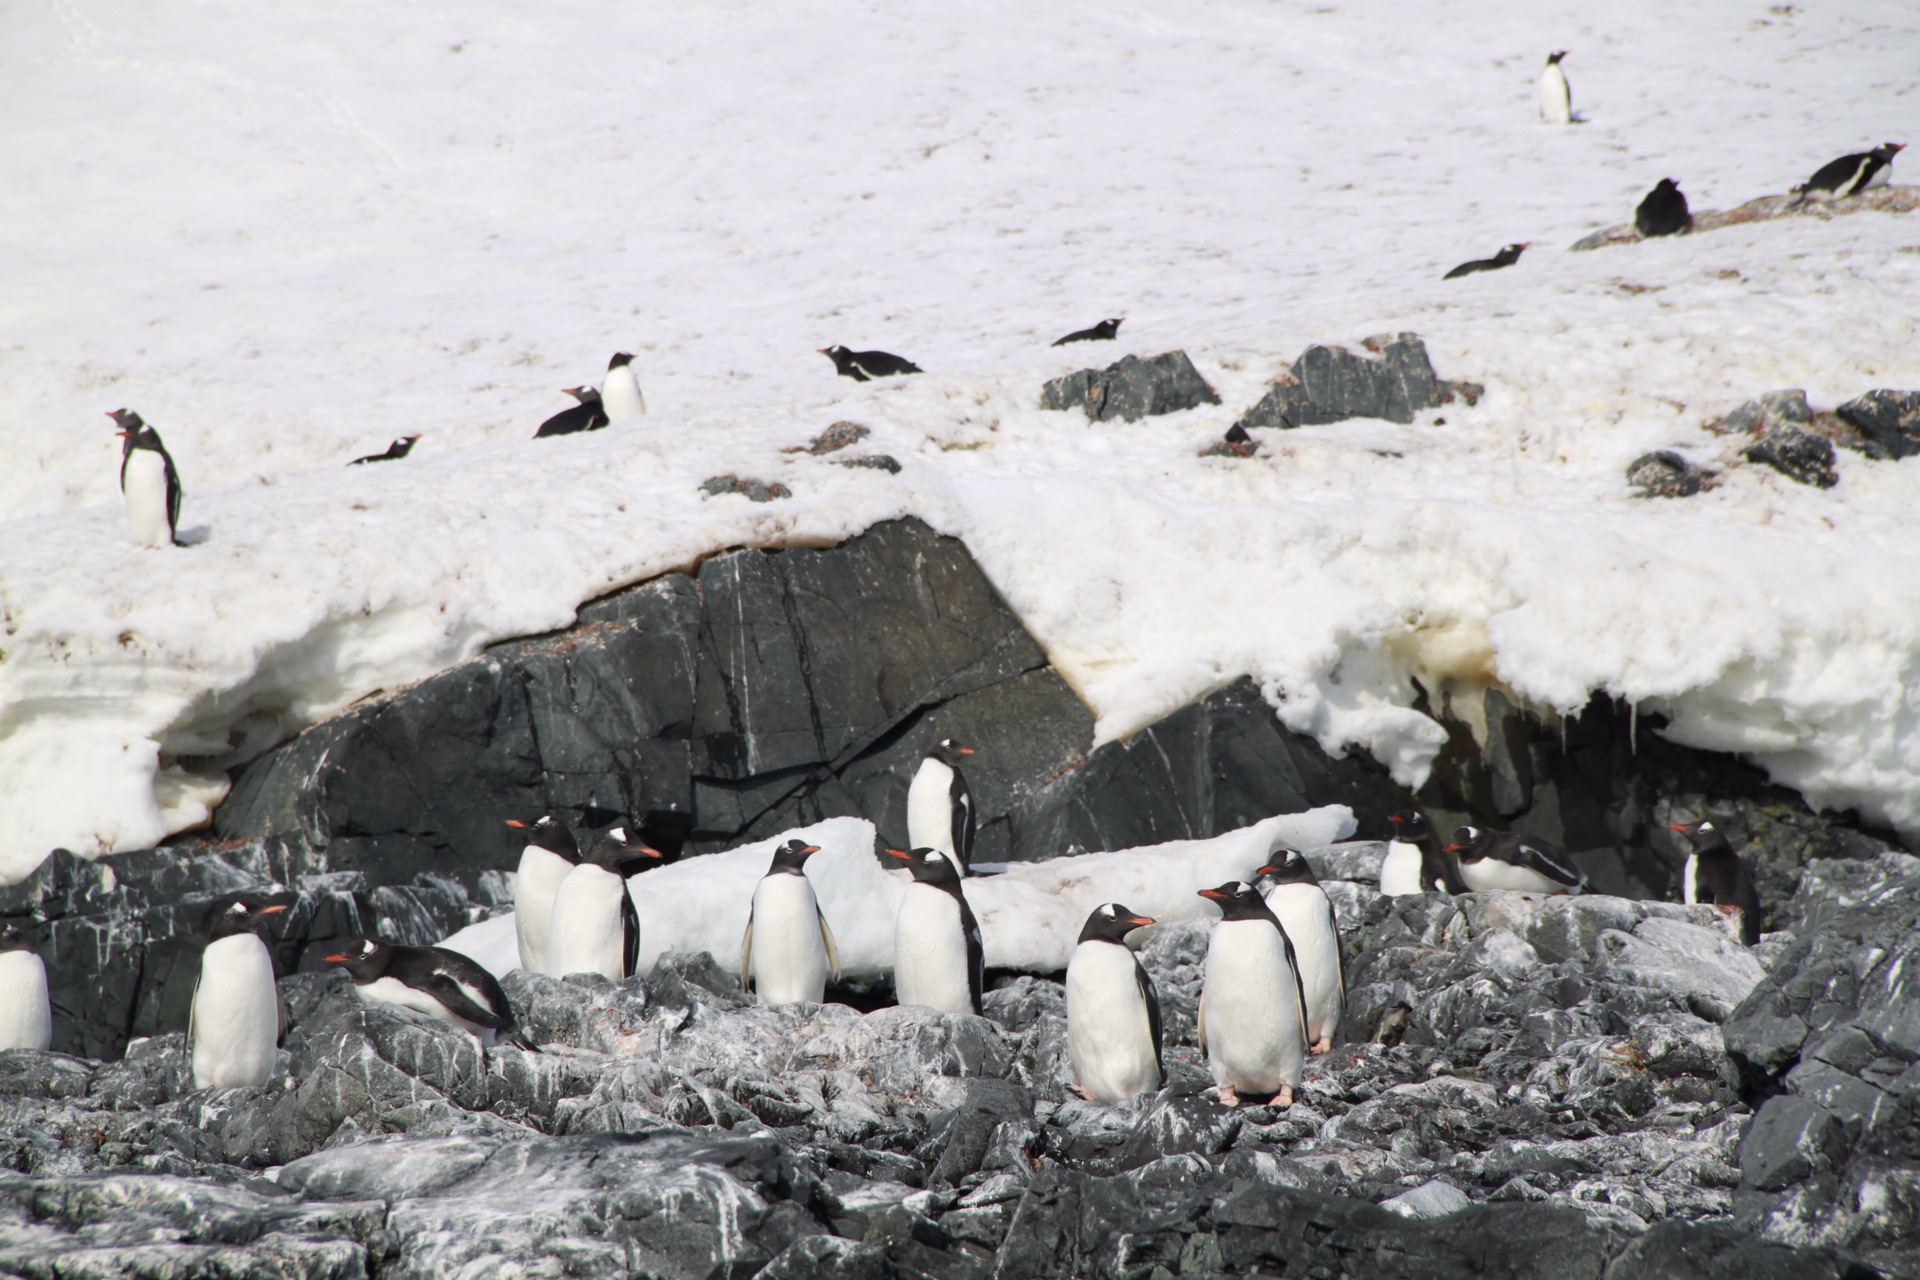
x=1556 y=98
x=550 y=853
x=1506 y=860
x=1113 y=1012
x=1296 y=899
x=588 y=415
x=1505 y=258
x=442 y=984
x=1253 y=1012
x=620 y=389
x=1716 y=874
x=148 y=479
x=1238 y=442
x=397 y=450
x=1850 y=175
x=1415 y=861
x=938 y=959
x=939 y=805
x=1664 y=211
x=237 y=1018
x=594 y=927
x=26 y=1016
x=864 y=366
x=788 y=948
x=1105 y=331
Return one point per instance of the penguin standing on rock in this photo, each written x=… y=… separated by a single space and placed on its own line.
x=938 y=958
x=588 y=415
x=1850 y=175
x=444 y=985
x=1505 y=258
x=788 y=948
x=1105 y=331
x=1556 y=96
x=237 y=1019
x=550 y=854
x=1717 y=875
x=26 y=1015
x=1507 y=860
x=1113 y=1011
x=620 y=390
x=594 y=927
x=1664 y=211
x=1253 y=1012
x=1415 y=861
x=149 y=481
x=1306 y=913
x=397 y=450
x=939 y=805
x=865 y=366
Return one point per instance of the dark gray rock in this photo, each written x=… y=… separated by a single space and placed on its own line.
x=1132 y=388
x=1788 y=1140
x=1331 y=384
x=750 y=489
x=1891 y=419
x=1766 y=412
x=1666 y=474
x=874 y=462
x=1796 y=454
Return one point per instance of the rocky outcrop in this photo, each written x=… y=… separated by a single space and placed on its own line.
x=1331 y=384
x=1888 y=199
x=1132 y=388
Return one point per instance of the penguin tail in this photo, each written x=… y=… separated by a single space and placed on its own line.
x=514 y=1037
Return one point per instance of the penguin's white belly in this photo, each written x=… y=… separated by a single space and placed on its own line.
x=26 y=1018
x=146 y=478
x=1303 y=910
x=789 y=956
x=236 y=1014
x=534 y=886
x=1255 y=1042
x=1689 y=884
x=1491 y=873
x=1882 y=177
x=1400 y=873
x=395 y=992
x=930 y=951
x=586 y=934
x=930 y=808
x=620 y=395
x=1109 y=1037
x=1556 y=99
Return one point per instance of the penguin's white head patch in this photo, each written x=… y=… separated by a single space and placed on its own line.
x=237 y=909
x=934 y=855
x=1704 y=826
x=618 y=833
x=367 y=948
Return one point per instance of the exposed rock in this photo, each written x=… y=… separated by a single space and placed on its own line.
x=1331 y=384
x=1796 y=454
x=874 y=462
x=1887 y=199
x=751 y=489
x=1665 y=474
x=1891 y=419
x=1132 y=388
x=838 y=436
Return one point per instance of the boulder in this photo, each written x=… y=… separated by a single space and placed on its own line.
x=1331 y=384
x=1891 y=419
x=1132 y=388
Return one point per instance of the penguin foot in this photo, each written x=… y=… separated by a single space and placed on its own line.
x=1323 y=1045
x=1228 y=1098
x=1084 y=1092
x=1284 y=1098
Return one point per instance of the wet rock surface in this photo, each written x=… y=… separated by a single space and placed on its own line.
x=1132 y=388
x=1332 y=384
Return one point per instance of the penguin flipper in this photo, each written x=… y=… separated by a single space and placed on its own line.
x=826 y=936
x=280 y=1009
x=193 y=1008
x=746 y=947
x=447 y=990
x=963 y=822
x=976 y=955
x=1548 y=862
x=630 y=922
x=1299 y=986
x=174 y=495
x=1200 y=1022
x=1144 y=981
x=1339 y=956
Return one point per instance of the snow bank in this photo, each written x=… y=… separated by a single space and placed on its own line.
x=1030 y=915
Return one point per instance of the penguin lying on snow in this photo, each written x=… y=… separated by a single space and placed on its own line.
x=620 y=390
x=788 y=948
x=1507 y=860
x=594 y=928
x=1415 y=861
x=938 y=958
x=1505 y=258
x=1850 y=175
x=1717 y=875
x=864 y=366
x=550 y=853
x=442 y=984
x=1305 y=912
x=1105 y=331
x=237 y=1020
x=588 y=415
x=939 y=805
x=397 y=450
x=1556 y=96
x=1664 y=211
x=149 y=481
x=1113 y=1011
x=1253 y=1012
x=26 y=1016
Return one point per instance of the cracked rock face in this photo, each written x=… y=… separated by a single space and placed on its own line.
x=1132 y=388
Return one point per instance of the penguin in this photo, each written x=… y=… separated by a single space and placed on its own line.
x=1505 y=258
x=938 y=959
x=397 y=450
x=939 y=805
x=1716 y=874
x=237 y=1019
x=1235 y=444
x=1305 y=912
x=788 y=933
x=1506 y=860
x=594 y=927
x=1850 y=175
x=588 y=415
x=1105 y=331
x=1113 y=1011
x=1664 y=211
x=150 y=482
x=443 y=984
x=620 y=389
x=1556 y=97
x=1253 y=1011
x=864 y=366
x=550 y=853
x=26 y=1016
x=1415 y=861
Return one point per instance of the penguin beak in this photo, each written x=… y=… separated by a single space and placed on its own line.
x=1681 y=827
x=965 y=751
x=338 y=960
x=1215 y=894
x=1143 y=921
x=1455 y=848
x=812 y=848
x=1395 y=818
x=272 y=911
x=1266 y=871
x=904 y=857
x=647 y=851
x=516 y=824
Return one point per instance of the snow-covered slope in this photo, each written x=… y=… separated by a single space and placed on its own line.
x=289 y=234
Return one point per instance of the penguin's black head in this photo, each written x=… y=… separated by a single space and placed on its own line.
x=948 y=752
x=620 y=853
x=1238 y=901
x=1112 y=923
x=1109 y=328
x=549 y=833
x=1408 y=825
x=620 y=360
x=1668 y=184
x=1703 y=835
x=1237 y=434
x=1465 y=839
x=1511 y=254
x=585 y=395
x=11 y=939
x=129 y=422
x=1888 y=150
x=1288 y=866
x=242 y=916
x=791 y=858
x=1553 y=59
x=929 y=866
x=364 y=959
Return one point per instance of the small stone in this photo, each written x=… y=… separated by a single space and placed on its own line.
x=874 y=462
x=1429 y=1200
x=838 y=436
x=1665 y=474
x=752 y=490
